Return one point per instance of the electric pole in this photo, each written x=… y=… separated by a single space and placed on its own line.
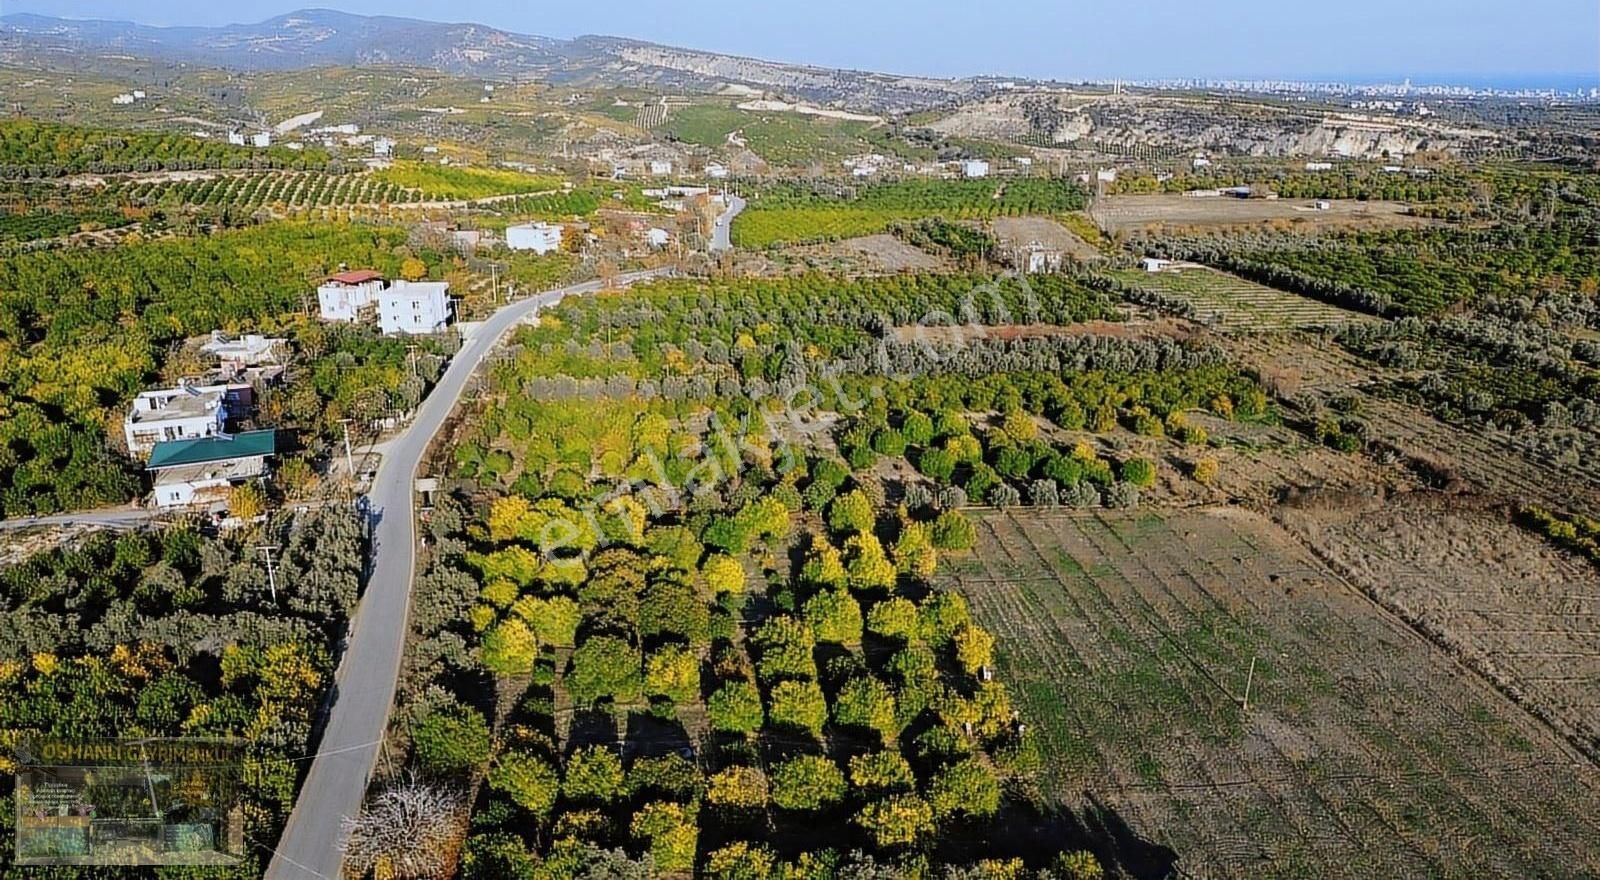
x=272 y=580
x=349 y=457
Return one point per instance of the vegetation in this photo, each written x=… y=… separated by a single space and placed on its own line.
x=43 y=149
x=443 y=182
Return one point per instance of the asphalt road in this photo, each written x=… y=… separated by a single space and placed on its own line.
x=119 y=518
x=365 y=683
x=720 y=236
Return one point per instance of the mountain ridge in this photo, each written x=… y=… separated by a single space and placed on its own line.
x=318 y=36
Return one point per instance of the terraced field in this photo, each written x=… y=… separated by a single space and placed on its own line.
x=1236 y=304
x=1363 y=751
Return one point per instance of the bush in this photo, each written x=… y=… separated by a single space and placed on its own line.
x=1205 y=471
x=1081 y=496
x=1004 y=496
x=852 y=512
x=738 y=788
x=724 y=574
x=1043 y=493
x=594 y=774
x=894 y=618
x=918 y=429
x=884 y=771
x=835 y=617
x=528 y=780
x=968 y=787
x=938 y=465
x=799 y=704
x=604 y=666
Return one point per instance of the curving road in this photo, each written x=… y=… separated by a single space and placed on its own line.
x=721 y=238
x=364 y=685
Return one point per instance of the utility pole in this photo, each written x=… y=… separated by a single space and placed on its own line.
x=1248 y=681
x=349 y=457
x=272 y=580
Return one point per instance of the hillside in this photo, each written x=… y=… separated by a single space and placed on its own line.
x=317 y=37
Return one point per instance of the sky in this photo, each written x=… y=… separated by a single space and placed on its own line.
x=1433 y=40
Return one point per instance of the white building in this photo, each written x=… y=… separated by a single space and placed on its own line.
x=249 y=350
x=1200 y=162
x=1106 y=175
x=138 y=94
x=347 y=295
x=236 y=138
x=122 y=99
x=414 y=307
x=716 y=171
x=656 y=237
x=660 y=167
x=974 y=168
x=187 y=412
x=1323 y=204
x=189 y=473
x=382 y=146
x=541 y=238
x=1319 y=166
x=1151 y=264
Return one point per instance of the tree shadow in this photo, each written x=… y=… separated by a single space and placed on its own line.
x=1023 y=831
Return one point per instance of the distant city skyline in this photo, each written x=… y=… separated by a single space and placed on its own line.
x=1551 y=43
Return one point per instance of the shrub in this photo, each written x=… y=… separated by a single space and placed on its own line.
x=866 y=702
x=604 y=666
x=894 y=618
x=896 y=821
x=1043 y=493
x=889 y=442
x=1004 y=496
x=1080 y=865
x=884 y=771
x=1205 y=471
x=674 y=673
x=938 y=465
x=1020 y=426
x=1081 y=496
x=917 y=428
x=1122 y=496
x=852 y=512
x=724 y=574
x=968 y=787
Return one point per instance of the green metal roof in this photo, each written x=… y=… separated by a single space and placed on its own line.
x=176 y=453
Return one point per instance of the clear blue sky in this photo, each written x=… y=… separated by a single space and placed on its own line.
x=1459 y=39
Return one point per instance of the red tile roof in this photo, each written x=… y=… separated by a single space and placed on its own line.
x=359 y=276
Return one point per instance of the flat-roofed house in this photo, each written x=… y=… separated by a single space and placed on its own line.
x=348 y=295
x=187 y=412
x=414 y=307
x=189 y=473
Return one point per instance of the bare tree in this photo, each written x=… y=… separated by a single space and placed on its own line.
x=410 y=830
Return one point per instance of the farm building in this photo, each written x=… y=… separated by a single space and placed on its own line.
x=974 y=168
x=541 y=238
x=1319 y=166
x=1035 y=258
x=716 y=171
x=261 y=139
x=1151 y=264
x=660 y=167
x=188 y=473
x=347 y=295
x=656 y=237
x=414 y=307
x=187 y=412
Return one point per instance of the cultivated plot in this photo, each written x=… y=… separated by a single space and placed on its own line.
x=1364 y=751
x=1133 y=212
x=1236 y=304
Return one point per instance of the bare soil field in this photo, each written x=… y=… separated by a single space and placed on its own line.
x=1232 y=303
x=1522 y=612
x=1022 y=231
x=1135 y=212
x=1364 y=751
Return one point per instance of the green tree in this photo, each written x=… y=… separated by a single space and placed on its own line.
x=1080 y=865
x=953 y=531
x=824 y=567
x=604 y=666
x=786 y=649
x=869 y=569
x=974 y=648
x=807 y=782
x=799 y=704
x=968 y=787
x=528 y=780
x=594 y=775
x=451 y=740
x=674 y=673
x=1139 y=471
x=509 y=648
x=882 y=772
x=835 y=617
x=724 y=574
x=671 y=832
x=943 y=615
x=736 y=708
x=738 y=788
x=917 y=428
x=894 y=618
x=896 y=821
x=554 y=620
x=866 y=702
x=852 y=512
x=741 y=861
x=938 y=465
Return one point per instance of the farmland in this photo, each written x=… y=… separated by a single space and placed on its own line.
x=1232 y=303
x=1137 y=212
x=1364 y=751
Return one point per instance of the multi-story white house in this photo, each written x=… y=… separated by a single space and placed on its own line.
x=347 y=295
x=541 y=238
x=974 y=168
x=414 y=307
x=187 y=412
